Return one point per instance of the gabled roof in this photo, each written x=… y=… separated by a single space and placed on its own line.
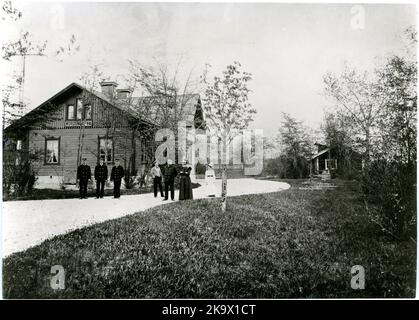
x=188 y=104
x=115 y=103
x=320 y=153
x=327 y=149
x=24 y=119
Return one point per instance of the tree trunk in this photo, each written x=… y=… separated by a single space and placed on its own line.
x=367 y=145
x=224 y=188
x=224 y=178
x=133 y=153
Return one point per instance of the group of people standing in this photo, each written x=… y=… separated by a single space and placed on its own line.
x=169 y=174
x=159 y=176
x=84 y=175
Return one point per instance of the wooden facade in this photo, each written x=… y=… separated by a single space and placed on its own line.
x=73 y=124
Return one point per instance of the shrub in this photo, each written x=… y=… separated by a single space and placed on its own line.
x=286 y=168
x=19 y=178
x=130 y=179
x=391 y=187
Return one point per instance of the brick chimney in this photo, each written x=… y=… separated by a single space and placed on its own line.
x=123 y=93
x=108 y=88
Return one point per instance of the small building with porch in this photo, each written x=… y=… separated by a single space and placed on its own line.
x=330 y=162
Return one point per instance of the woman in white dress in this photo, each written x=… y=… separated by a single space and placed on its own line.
x=210 y=187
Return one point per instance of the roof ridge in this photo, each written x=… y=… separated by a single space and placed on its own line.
x=125 y=108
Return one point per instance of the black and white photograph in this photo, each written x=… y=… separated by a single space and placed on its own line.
x=182 y=151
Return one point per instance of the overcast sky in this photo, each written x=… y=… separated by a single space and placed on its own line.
x=287 y=48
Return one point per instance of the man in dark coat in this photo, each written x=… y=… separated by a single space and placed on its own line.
x=101 y=175
x=169 y=180
x=117 y=174
x=84 y=174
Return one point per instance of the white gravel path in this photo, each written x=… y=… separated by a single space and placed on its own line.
x=28 y=223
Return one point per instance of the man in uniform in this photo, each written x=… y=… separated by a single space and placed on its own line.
x=117 y=174
x=169 y=180
x=84 y=175
x=101 y=175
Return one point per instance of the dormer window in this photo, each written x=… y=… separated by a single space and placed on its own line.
x=70 y=112
x=79 y=112
x=79 y=107
x=87 y=112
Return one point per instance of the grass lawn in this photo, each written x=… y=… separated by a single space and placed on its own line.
x=294 y=243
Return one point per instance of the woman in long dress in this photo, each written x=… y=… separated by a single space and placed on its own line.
x=185 y=185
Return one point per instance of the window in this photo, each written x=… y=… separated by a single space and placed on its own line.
x=331 y=164
x=88 y=112
x=146 y=149
x=19 y=145
x=79 y=107
x=79 y=112
x=52 y=151
x=106 y=149
x=70 y=112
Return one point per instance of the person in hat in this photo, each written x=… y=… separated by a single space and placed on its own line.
x=185 y=185
x=210 y=187
x=156 y=175
x=117 y=174
x=101 y=175
x=170 y=173
x=84 y=175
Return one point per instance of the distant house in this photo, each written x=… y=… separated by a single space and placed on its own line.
x=330 y=162
x=77 y=122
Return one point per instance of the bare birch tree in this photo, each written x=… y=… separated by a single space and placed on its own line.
x=228 y=112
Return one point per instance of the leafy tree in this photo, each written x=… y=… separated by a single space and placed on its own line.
x=10 y=12
x=163 y=102
x=358 y=101
x=382 y=106
x=296 y=147
x=10 y=111
x=390 y=181
x=228 y=112
x=19 y=174
x=398 y=79
x=338 y=136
